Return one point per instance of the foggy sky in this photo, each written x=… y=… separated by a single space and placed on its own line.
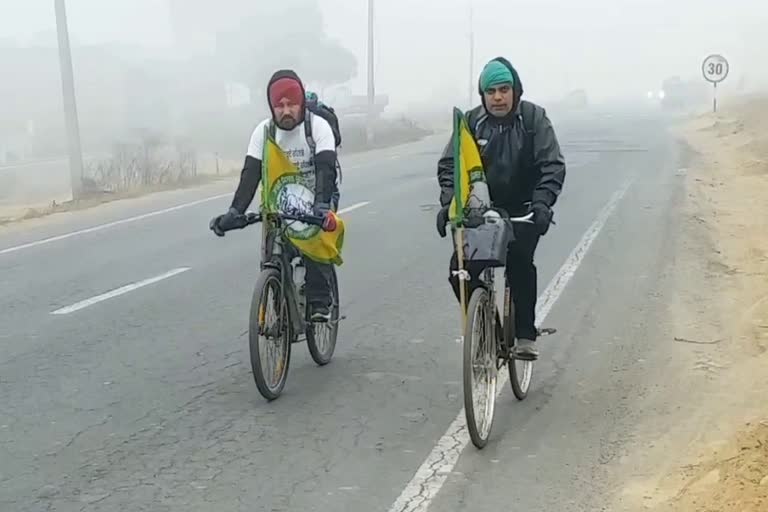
x=623 y=48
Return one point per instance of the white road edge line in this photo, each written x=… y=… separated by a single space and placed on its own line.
x=353 y=207
x=119 y=291
x=430 y=477
x=110 y=224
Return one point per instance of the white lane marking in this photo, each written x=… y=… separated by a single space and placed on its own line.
x=353 y=207
x=430 y=477
x=9 y=168
x=119 y=291
x=111 y=224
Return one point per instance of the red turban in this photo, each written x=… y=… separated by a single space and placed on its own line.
x=285 y=88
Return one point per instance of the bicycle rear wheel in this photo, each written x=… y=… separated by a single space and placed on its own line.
x=269 y=336
x=480 y=370
x=321 y=337
x=520 y=372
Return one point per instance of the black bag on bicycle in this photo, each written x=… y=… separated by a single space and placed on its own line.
x=487 y=243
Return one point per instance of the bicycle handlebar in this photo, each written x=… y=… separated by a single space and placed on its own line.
x=254 y=218
x=524 y=219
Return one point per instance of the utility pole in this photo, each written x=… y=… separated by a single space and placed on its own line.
x=371 y=87
x=70 y=105
x=471 y=56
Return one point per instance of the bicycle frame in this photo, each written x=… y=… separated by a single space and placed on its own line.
x=487 y=279
x=278 y=253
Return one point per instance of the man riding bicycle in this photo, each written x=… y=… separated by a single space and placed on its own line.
x=524 y=170
x=308 y=141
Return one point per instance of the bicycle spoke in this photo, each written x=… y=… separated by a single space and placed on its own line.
x=272 y=347
x=482 y=378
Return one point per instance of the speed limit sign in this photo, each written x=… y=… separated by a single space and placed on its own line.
x=715 y=68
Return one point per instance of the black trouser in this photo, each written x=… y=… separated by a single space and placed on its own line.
x=521 y=276
x=318 y=275
x=318 y=282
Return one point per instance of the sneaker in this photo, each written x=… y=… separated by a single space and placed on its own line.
x=525 y=350
x=321 y=314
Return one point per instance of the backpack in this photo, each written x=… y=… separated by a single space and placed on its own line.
x=329 y=114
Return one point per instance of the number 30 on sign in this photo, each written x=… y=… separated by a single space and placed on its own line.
x=715 y=68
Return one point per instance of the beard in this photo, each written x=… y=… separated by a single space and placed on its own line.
x=287 y=122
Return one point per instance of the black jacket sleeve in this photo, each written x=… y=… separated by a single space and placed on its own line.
x=325 y=176
x=249 y=182
x=548 y=159
x=445 y=174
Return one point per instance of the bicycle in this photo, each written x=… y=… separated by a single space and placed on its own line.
x=488 y=352
x=281 y=263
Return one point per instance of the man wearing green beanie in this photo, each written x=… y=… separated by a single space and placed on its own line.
x=525 y=172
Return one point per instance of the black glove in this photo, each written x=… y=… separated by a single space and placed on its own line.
x=223 y=223
x=442 y=220
x=321 y=209
x=542 y=217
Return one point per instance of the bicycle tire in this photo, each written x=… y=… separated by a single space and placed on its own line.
x=519 y=380
x=479 y=434
x=267 y=277
x=321 y=357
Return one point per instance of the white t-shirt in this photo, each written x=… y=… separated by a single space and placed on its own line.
x=294 y=142
x=299 y=196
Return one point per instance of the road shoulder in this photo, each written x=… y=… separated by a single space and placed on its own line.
x=703 y=443
x=19 y=216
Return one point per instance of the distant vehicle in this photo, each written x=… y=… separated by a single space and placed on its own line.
x=679 y=94
x=672 y=94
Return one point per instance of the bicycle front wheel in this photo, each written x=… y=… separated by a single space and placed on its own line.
x=269 y=335
x=480 y=369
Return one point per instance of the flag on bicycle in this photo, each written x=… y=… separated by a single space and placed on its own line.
x=286 y=190
x=467 y=167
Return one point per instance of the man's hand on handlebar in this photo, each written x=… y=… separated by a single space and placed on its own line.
x=324 y=210
x=542 y=217
x=223 y=223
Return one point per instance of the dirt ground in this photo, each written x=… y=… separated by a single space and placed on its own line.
x=709 y=450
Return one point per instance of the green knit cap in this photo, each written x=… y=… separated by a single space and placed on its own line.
x=495 y=73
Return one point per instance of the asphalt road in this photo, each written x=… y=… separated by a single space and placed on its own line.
x=145 y=401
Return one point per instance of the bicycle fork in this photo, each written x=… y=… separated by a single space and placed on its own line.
x=504 y=330
x=296 y=317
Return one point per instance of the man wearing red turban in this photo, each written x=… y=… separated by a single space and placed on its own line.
x=309 y=142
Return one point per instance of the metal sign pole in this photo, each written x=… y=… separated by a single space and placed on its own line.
x=715 y=69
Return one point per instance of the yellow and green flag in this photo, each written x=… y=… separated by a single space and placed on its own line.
x=285 y=189
x=467 y=167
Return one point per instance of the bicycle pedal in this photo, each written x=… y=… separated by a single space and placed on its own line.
x=546 y=331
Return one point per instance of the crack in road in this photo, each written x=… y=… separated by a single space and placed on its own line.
x=430 y=482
